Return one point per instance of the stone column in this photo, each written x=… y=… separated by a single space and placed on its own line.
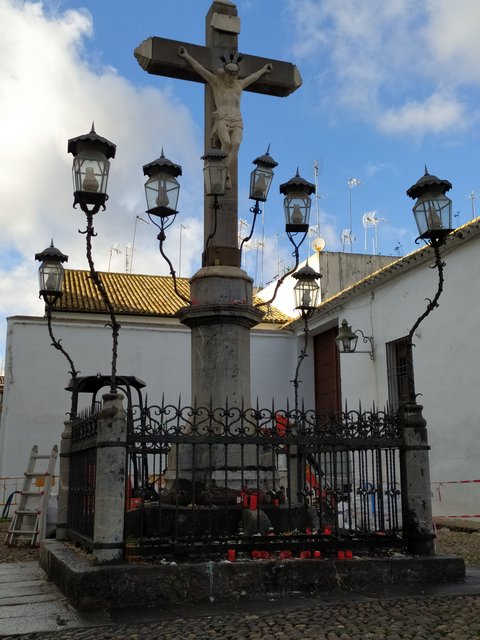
x=63 y=481
x=110 y=481
x=415 y=476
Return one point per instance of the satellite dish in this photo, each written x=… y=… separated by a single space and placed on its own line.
x=318 y=244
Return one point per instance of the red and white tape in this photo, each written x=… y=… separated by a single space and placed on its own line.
x=439 y=493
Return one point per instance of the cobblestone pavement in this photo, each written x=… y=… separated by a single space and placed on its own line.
x=457 y=618
x=349 y=618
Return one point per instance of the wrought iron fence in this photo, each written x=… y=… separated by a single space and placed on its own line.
x=203 y=481
x=83 y=460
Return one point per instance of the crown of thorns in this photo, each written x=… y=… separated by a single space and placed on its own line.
x=232 y=57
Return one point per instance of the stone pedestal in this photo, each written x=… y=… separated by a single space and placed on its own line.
x=110 y=481
x=416 y=489
x=220 y=318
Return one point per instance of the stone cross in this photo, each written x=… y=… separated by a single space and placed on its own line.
x=164 y=57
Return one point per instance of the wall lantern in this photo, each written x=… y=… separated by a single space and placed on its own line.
x=261 y=177
x=347 y=340
x=306 y=290
x=215 y=172
x=433 y=209
x=161 y=188
x=91 y=154
x=50 y=273
x=297 y=203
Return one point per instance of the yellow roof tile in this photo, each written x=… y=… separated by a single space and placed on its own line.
x=132 y=294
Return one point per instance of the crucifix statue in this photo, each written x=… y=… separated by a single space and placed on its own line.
x=221 y=314
x=227 y=88
x=223 y=120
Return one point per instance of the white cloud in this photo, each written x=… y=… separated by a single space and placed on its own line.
x=390 y=62
x=437 y=113
x=452 y=36
x=50 y=92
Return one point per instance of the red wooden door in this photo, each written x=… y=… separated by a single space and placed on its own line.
x=327 y=371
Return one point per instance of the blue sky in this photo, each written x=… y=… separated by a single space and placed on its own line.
x=388 y=87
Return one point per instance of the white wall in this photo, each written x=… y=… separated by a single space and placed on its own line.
x=35 y=402
x=446 y=358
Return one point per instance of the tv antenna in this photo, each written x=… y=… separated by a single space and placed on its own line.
x=346 y=238
x=351 y=182
x=115 y=248
x=473 y=196
x=369 y=219
x=318 y=243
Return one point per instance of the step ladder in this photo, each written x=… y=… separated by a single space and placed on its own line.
x=30 y=519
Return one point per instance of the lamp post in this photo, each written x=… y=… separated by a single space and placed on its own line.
x=306 y=292
x=50 y=276
x=296 y=205
x=433 y=215
x=161 y=192
x=91 y=165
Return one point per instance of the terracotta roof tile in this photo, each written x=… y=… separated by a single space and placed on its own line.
x=131 y=294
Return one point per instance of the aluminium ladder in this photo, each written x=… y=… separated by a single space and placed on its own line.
x=29 y=523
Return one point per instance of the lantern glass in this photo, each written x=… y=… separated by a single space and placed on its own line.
x=297 y=210
x=215 y=176
x=260 y=182
x=50 y=277
x=162 y=191
x=90 y=173
x=306 y=294
x=433 y=215
x=346 y=338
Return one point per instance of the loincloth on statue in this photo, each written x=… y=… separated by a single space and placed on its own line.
x=231 y=123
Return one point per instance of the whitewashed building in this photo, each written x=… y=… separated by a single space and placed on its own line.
x=385 y=306
x=153 y=346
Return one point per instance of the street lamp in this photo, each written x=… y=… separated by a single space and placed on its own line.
x=261 y=177
x=433 y=215
x=215 y=172
x=215 y=175
x=347 y=340
x=162 y=189
x=297 y=204
x=433 y=209
x=50 y=276
x=260 y=183
x=306 y=292
x=50 y=273
x=90 y=170
x=91 y=165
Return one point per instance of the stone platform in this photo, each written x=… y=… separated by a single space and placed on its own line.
x=169 y=584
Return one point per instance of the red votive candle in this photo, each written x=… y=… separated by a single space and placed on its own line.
x=231 y=555
x=341 y=555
